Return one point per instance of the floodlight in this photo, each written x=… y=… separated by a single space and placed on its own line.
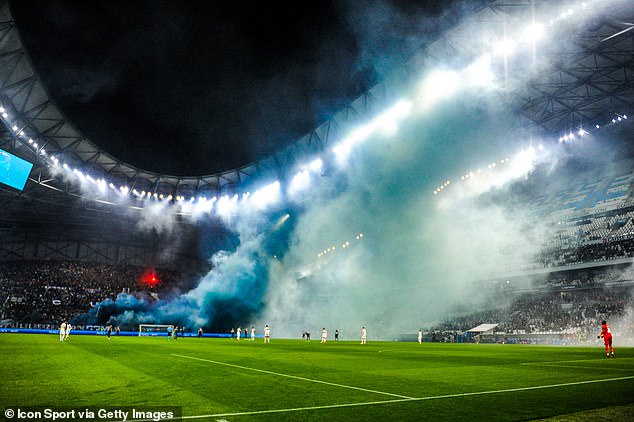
x=299 y=182
x=267 y=195
x=439 y=85
x=534 y=32
x=479 y=72
x=341 y=151
x=316 y=165
x=505 y=48
x=385 y=122
x=227 y=206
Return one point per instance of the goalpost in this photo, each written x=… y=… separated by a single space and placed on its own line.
x=152 y=329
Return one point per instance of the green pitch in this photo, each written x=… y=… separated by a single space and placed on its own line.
x=222 y=379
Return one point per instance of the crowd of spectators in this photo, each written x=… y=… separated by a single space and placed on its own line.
x=43 y=294
x=573 y=315
x=592 y=252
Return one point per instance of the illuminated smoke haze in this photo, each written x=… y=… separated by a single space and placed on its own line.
x=416 y=259
x=419 y=254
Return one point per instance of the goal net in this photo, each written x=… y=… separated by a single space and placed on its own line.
x=152 y=329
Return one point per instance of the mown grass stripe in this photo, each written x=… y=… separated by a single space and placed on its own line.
x=293 y=376
x=409 y=399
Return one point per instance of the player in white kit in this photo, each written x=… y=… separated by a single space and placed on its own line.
x=267 y=334
x=252 y=333
x=364 y=334
x=420 y=336
x=62 y=331
x=324 y=335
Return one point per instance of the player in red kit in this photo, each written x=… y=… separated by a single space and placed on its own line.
x=606 y=335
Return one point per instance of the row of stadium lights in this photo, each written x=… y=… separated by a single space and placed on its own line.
x=260 y=198
x=506 y=47
x=384 y=123
x=535 y=31
x=344 y=245
x=569 y=137
x=582 y=132
x=471 y=175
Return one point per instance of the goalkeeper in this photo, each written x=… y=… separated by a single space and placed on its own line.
x=606 y=335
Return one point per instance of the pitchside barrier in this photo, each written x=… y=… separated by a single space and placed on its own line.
x=103 y=333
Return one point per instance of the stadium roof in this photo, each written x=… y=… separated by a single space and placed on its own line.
x=581 y=76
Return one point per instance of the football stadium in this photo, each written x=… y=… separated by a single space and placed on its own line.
x=455 y=242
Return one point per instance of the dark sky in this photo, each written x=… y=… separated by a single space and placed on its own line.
x=199 y=87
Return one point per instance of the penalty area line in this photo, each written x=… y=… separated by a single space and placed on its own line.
x=411 y=399
x=294 y=376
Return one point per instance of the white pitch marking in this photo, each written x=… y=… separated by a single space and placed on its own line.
x=293 y=376
x=446 y=396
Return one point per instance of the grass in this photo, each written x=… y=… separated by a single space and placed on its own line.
x=295 y=380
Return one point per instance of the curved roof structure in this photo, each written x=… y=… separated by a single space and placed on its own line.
x=581 y=77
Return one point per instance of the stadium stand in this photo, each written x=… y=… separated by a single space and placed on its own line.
x=43 y=294
x=581 y=275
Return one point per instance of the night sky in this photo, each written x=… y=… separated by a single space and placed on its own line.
x=200 y=87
